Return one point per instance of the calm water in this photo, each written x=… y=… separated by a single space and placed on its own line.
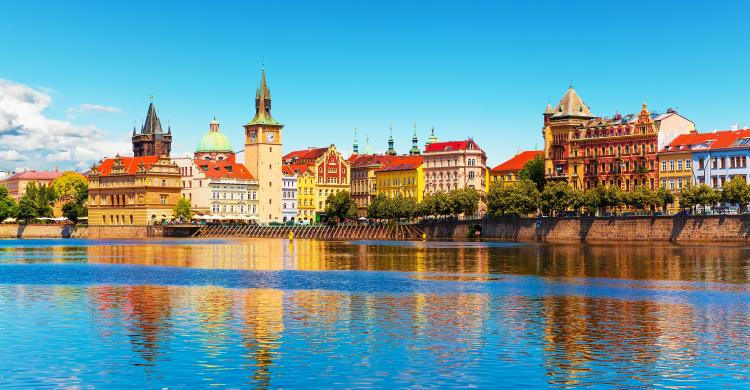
x=265 y=313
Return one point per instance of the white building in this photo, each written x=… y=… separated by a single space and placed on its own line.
x=289 y=194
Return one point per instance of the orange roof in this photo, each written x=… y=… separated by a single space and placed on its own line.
x=714 y=140
x=450 y=146
x=518 y=161
x=223 y=169
x=291 y=169
x=402 y=163
x=306 y=154
x=367 y=160
x=130 y=163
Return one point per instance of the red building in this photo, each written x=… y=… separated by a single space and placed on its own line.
x=331 y=171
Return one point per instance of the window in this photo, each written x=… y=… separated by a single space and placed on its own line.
x=687 y=164
x=671 y=184
x=664 y=165
x=679 y=165
x=700 y=163
x=671 y=165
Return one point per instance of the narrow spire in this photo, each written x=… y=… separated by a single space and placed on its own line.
x=414 y=142
x=391 y=151
x=355 y=147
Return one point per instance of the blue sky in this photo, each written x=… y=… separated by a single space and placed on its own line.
x=481 y=69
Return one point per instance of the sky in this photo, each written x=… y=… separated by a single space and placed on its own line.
x=75 y=77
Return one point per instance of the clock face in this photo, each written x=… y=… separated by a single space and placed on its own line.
x=252 y=136
x=269 y=137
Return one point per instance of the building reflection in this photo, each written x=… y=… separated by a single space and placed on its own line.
x=263 y=319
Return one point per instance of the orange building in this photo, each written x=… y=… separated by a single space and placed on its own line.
x=330 y=168
x=507 y=172
x=133 y=190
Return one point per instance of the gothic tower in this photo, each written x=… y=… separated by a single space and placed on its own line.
x=152 y=141
x=263 y=154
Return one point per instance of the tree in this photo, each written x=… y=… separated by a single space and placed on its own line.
x=736 y=191
x=71 y=186
x=577 y=199
x=182 y=210
x=341 y=205
x=73 y=211
x=463 y=201
x=592 y=200
x=35 y=203
x=7 y=204
x=664 y=197
x=641 y=197
x=533 y=170
x=688 y=199
x=378 y=206
x=706 y=196
x=519 y=198
x=555 y=198
x=612 y=196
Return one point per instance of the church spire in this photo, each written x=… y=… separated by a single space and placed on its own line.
x=355 y=146
x=152 y=124
x=391 y=151
x=414 y=142
x=263 y=103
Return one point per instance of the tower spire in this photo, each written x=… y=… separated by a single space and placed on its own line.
x=355 y=147
x=414 y=142
x=391 y=151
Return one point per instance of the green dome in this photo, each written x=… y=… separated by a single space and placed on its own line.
x=214 y=141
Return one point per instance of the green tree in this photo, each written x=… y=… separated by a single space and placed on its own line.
x=7 y=204
x=706 y=196
x=613 y=197
x=182 y=210
x=35 y=203
x=592 y=201
x=577 y=199
x=642 y=197
x=341 y=205
x=664 y=198
x=519 y=198
x=73 y=211
x=378 y=207
x=71 y=186
x=688 y=199
x=736 y=191
x=555 y=198
x=463 y=201
x=534 y=170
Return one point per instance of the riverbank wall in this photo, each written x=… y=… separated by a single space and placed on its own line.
x=709 y=228
x=35 y=231
x=113 y=231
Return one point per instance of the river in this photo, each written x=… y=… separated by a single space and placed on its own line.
x=271 y=314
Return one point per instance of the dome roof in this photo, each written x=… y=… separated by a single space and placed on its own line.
x=214 y=141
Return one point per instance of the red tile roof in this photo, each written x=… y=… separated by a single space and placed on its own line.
x=450 y=146
x=518 y=161
x=367 y=160
x=223 y=169
x=714 y=140
x=291 y=169
x=131 y=164
x=35 y=175
x=306 y=154
x=402 y=163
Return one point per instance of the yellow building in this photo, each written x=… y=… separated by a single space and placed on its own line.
x=306 y=194
x=403 y=175
x=133 y=190
x=675 y=163
x=507 y=172
x=330 y=169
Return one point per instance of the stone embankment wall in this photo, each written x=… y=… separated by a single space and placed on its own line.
x=109 y=231
x=35 y=231
x=714 y=228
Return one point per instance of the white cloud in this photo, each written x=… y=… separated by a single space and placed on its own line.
x=27 y=131
x=11 y=155
x=97 y=107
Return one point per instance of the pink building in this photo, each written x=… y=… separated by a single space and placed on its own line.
x=453 y=165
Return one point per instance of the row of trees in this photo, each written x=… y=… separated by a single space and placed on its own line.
x=523 y=197
x=70 y=189
x=342 y=206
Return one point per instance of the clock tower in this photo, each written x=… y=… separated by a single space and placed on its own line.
x=263 y=154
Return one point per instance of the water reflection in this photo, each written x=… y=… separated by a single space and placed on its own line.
x=492 y=327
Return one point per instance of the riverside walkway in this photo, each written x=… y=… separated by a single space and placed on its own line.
x=340 y=232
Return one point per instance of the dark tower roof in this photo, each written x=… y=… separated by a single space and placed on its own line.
x=263 y=104
x=391 y=150
x=414 y=142
x=152 y=124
